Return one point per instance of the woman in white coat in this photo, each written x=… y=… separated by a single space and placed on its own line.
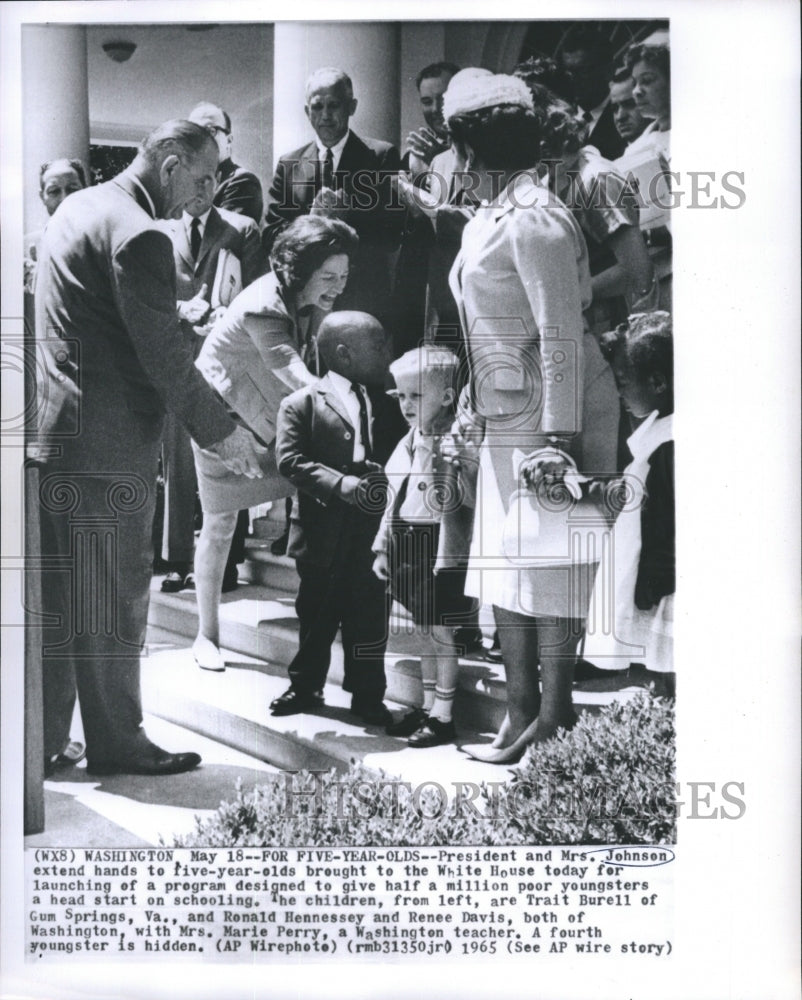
x=521 y=282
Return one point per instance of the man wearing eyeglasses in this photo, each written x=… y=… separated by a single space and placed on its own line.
x=238 y=189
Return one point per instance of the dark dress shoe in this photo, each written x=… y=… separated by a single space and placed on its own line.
x=155 y=762
x=292 y=702
x=173 y=583
x=374 y=713
x=230 y=580
x=279 y=545
x=408 y=724
x=433 y=733
x=586 y=671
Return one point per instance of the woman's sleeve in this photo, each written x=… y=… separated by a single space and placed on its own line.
x=550 y=257
x=282 y=365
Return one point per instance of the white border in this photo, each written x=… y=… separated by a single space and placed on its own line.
x=735 y=74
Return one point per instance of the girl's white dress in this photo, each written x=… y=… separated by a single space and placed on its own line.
x=618 y=632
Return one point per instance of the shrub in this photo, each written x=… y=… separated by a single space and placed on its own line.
x=608 y=781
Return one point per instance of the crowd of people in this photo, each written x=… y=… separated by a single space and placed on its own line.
x=444 y=359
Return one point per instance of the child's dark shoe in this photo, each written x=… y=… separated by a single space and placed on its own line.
x=408 y=724
x=433 y=733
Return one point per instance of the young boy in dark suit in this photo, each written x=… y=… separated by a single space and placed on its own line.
x=332 y=441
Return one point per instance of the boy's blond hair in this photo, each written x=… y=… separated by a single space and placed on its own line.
x=428 y=362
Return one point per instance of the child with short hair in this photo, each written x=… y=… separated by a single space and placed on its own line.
x=422 y=545
x=643 y=565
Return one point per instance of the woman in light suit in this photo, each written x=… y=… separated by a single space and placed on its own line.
x=521 y=282
x=260 y=351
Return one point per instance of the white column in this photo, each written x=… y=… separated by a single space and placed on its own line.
x=55 y=106
x=368 y=53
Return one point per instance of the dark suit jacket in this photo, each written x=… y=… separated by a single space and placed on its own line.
x=314 y=450
x=604 y=135
x=240 y=191
x=112 y=356
x=224 y=230
x=363 y=173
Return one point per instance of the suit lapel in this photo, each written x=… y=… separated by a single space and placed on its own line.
x=306 y=170
x=211 y=233
x=332 y=399
x=181 y=244
x=352 y=161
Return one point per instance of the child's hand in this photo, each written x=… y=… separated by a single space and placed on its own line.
x=381 y=566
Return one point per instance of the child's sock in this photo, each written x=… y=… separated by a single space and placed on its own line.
x=428 y=668
x=443 y=704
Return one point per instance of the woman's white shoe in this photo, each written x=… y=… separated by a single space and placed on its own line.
x=207 y=655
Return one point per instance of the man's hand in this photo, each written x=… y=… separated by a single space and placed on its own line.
x=206 y=328
x=240 y=452
x=331 y=204
x=423 y=145
x=194 y=309
x=416 y=199
x=381 y=566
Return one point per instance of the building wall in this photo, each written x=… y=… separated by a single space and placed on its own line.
x=172 y=70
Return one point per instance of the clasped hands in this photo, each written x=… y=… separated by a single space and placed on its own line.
x=331 y=204
x=197 y=309
x=423 y=145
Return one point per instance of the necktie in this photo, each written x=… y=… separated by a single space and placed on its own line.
x=328 y=169
x=195 y=238
x=364 y=424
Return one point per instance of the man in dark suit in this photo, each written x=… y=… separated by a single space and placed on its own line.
x=111 y=357
x=198 y=238
x=333 y=439
x=238 y=190
x=586 y=57
x=345 y=176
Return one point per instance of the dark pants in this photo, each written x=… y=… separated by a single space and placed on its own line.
x=345 y=595
x=96 y=571
x=180 y=490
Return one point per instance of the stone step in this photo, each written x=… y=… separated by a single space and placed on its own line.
x=262 y=567
x=232 y=708
x=260 y=623
x=259 y=636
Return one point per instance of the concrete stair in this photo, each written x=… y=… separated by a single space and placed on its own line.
x=259 y=637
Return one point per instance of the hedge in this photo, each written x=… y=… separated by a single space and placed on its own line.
x=608 y=781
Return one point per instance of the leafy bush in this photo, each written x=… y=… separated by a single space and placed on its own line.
x=608 y=781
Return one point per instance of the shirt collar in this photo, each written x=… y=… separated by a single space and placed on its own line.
x=336 y=150
x=144 y=191
x=186 y=218
x=654 y=431
x=341 y=384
